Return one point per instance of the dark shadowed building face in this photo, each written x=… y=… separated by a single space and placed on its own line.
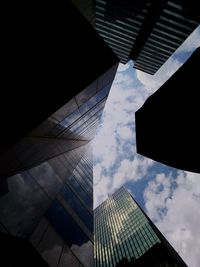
x=167 y=128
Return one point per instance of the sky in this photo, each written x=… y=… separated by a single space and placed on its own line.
x=170 y=197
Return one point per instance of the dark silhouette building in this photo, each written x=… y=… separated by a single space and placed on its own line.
x=146 y=31
x=53 y=62
x=87 y=8
x=167 y=128
x=125 y=236
x=50 y=53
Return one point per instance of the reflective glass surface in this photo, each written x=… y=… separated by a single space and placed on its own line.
x=60 y=218
x=77 y=206
x=50 y=199
x=121 y=230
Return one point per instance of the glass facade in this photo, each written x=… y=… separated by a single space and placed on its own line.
x=69 y=221
x=171 y=29
x=146 y=31
x=119 y=23
x=123 y=232
x=48 y=193
x=69 y=128
x=64 y=76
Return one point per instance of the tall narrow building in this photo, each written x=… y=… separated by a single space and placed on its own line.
x=46 y=194
x=125 y=236
x=46 y=169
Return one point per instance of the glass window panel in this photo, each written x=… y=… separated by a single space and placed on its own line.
x=77 y=125
x=65 y=225
x=65 y=110
x=78 y=207
x=92 y=117
x=38 y=232
x=79 y=190
x=24 y=204
x=172 y=29
x=68 y=259
x=88 y=92
x=47 y=179
x=103 y=92
x=51 y=247
x=95 y=99
x=71 y=118
x=44 y=127
x=84 y=253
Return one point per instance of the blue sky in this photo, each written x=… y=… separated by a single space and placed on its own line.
x=170 y=197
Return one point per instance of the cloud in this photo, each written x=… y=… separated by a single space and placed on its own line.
x=170 y=202
x=128 y=170
x=174 y=204
x=125 y=132
x=192 y=42
x=106 y=144
x=154 y=82
x=156 y=194
x=115 y=159
x=114 y=144
x=122 y=67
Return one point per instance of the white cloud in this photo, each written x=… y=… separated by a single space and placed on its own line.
x=192 y=42
x=176 y=211
x=115 y=139
x=105 y=144
x=155 y=198
x=154 y=82
x=125 y=132
x=122 y=67
x=117 y=162
x=128 y=170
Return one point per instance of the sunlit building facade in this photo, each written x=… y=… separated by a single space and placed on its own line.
x=125 y=236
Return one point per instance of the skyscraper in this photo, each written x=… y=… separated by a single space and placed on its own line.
x=50 y=54
x=47 y=183
x=145 y=31
x=125 y=236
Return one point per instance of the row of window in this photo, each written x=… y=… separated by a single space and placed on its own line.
x=74 y=202
x=121 y=230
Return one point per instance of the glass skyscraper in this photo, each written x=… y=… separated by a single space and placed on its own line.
x=147 y=32
x=125 y=236
x=47 y=191
x=63 y=71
